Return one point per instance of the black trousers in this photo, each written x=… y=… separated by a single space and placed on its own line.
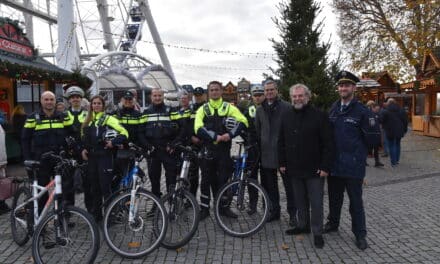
x=170 y=163
x=45 y=174
x=269 y=181
x=97 y=187
x=68 y=188
x=336 y=188
x=193 y=176
x=216 y=170
x=309 y=193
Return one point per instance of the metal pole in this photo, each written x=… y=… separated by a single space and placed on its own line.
x=103 y=15
x=146 y=11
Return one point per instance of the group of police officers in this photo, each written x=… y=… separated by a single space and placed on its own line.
x=205 y=124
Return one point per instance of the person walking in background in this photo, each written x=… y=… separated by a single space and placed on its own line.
x=267 y=125
x=384 y=136
x=305 y=147
x=395 y=124
x=374 y=148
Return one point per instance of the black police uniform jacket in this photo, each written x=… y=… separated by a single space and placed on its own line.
x=305 y=142
x=42 y=133
x=162 y=126
x=354 y=132
x=132 y=120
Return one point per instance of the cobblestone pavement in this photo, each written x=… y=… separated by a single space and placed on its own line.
x=403 y=212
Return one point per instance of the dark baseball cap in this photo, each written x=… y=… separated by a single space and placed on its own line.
x=199 y=91
x=128 y=95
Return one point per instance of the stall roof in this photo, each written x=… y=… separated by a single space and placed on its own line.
x=38 y=63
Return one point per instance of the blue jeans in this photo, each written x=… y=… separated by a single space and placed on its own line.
x=394 y=148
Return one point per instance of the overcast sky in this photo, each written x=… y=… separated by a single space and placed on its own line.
x=242 y=26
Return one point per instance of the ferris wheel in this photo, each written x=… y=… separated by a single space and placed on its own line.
x=84 y=28
x=99 y=36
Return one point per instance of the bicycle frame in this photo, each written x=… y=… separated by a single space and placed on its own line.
x=54 y=190
x=135 y=187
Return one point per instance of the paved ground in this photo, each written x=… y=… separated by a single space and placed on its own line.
x=403 y=213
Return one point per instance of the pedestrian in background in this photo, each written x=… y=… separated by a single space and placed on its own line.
x=267 y=125
x=374 y=148
x=305 y=154
x=384 y=136
x=395 y=123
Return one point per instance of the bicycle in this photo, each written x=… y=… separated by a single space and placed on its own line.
x=182 y=207
x=67 y=233
x=236 y=195
x=128 y=230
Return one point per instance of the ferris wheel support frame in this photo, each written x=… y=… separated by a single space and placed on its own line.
x=146 y=11
x=103 y=14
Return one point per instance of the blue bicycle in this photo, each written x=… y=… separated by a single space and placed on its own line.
x=245 y=197
x=129 y=229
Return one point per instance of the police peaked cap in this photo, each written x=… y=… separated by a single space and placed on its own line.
x=346 y=76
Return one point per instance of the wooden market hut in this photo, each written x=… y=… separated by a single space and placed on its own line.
x=24 y=76
x=230 y=93
x=425 y=92
x=377 y=87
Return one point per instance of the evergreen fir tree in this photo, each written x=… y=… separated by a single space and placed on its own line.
x=302 y=58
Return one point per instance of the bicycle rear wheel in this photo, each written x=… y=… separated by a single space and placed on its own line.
x=136 y=239
x=183 y=218
x=71 y=236
x=22 y=219
x=250 y=217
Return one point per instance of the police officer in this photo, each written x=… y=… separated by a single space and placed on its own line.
x=199 y=97
x=44 y=131
x=209 y=125
x=130 y=118
x=196 y=142
x=77 y=115
x=162 y=131
x=102 y=134
x=351 y=127
x=257 y=92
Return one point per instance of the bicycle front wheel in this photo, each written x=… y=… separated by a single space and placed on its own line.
x=137 y=238
x=22 y=219
x=183 y=218
x=71 y=236
x=247 y=204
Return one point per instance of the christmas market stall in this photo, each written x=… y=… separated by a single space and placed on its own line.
x=24 y=76
x=425 y=92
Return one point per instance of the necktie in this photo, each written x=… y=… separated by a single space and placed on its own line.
x=344 y=108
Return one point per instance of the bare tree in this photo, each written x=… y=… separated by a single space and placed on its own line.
x=388 y=34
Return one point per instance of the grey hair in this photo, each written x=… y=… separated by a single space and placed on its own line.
x=303 y=86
